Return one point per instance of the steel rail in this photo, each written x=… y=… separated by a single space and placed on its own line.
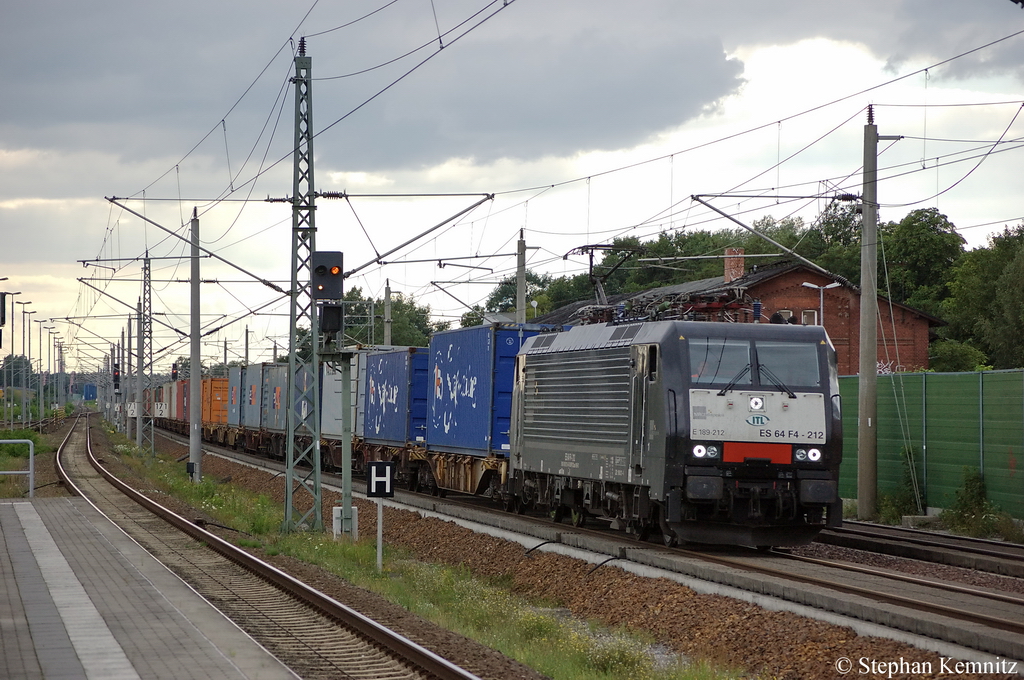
x=930 y=607
x=936 y=542
x=944 y=585
x=416 y=654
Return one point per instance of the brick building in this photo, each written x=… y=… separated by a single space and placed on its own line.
x=793 y=290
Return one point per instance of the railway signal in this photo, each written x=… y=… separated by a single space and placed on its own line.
x=328 y=279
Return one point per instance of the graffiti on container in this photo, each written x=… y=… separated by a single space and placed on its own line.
x=451 y=387
x=382 y=398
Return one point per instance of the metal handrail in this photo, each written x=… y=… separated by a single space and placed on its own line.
x=31 y=472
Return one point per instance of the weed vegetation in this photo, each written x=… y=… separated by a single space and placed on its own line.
x=973 y=514
x=904 y=499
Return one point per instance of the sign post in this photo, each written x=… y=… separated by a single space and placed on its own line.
x=380 y=484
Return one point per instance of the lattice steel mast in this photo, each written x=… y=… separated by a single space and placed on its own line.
x=303 y=443
x=144 y=404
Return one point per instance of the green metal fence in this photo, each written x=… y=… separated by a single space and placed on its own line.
x=949 y=420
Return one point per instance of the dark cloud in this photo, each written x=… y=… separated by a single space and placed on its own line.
x=146 y=82
x=538 y=98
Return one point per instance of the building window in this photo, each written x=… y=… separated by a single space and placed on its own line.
x=786 y=313
x=809 y=317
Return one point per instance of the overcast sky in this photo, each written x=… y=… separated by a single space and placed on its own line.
x=588 y=119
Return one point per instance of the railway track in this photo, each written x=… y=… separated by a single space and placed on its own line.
x=997 y=557
x=986 y=620
x=313 y=634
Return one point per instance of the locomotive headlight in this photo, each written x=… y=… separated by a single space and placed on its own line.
x=699 y=451
x=801 y=454
x=712 y=451
x=814 y=455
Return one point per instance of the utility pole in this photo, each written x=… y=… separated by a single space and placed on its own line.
x=28 y=380
x=867 y=394
x=10 y=399
x=144 y=437
x=139 y=382
x=195 y=367
x=126 y=368
x=115 y=386
x=387 y=312
x=39 y=382
x=521 y=280
x=303 y=444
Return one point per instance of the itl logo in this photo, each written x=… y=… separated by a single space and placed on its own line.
x=757 y=420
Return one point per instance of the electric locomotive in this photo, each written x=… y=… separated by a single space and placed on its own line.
x=709 y=432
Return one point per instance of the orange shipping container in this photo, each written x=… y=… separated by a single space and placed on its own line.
x=215 y=400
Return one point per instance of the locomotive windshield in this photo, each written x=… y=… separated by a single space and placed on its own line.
x=717 y=360
x=792 y=363
x=730 y=362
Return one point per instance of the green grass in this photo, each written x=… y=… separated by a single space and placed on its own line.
x=559 y=647
x=15 y=457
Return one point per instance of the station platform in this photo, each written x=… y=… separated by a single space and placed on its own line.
x=81 y=599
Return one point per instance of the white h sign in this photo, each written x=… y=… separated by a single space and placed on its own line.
x=380 y=479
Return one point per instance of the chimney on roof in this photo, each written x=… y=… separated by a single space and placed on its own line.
x=733 y=264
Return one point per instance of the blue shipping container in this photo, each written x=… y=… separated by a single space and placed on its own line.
x=89 y=392
x=470 y=392
x=274 y=398
x=250 y=396
x=396 y=397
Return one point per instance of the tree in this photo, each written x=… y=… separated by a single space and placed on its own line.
x=566 y=289
x=951 y=356
x=1003 y=329
x=920 y=251
x=17 y=370
x=184 y=367
x=503 y=297
x=981 y=307
x=410 y=322
x=474 y=317
x=835 y=243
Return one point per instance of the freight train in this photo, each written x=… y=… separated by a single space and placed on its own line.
x=706 y=432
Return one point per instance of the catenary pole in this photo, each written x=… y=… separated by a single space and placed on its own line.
x=387 y=311
x=521 y=280
x=303 y=494
x=195 y=368
x=867 y=379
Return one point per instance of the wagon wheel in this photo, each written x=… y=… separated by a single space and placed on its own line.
x=669 y=540
x=523 y=504
x=558 y=514
x=640 y=529
x=578 y=517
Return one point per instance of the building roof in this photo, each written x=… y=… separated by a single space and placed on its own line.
x=712 y=295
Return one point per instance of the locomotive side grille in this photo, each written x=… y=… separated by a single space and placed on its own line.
x=578 y=397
